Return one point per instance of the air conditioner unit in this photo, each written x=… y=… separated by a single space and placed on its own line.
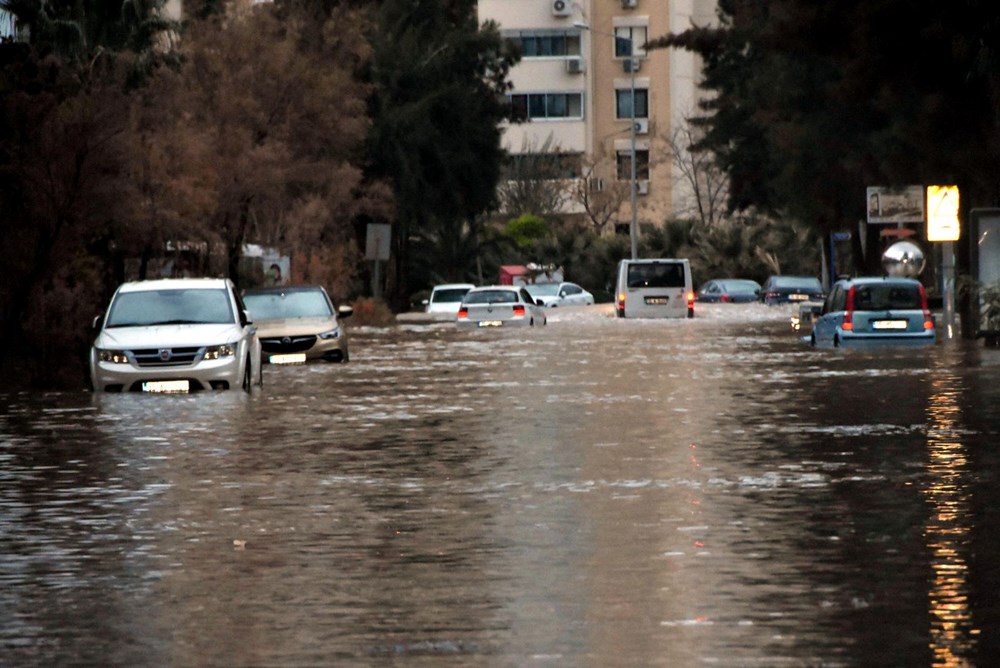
x=561 y=8
x=596 y=185
x=631 y=64
x=642 y=126
x=574 y=65
x=642 y=187
x=630 y=4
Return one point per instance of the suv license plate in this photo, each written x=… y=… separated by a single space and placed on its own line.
x=490 y=323
x=657 y=301
x=889 y=324
x=166 y=386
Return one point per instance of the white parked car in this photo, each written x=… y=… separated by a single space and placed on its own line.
x=446 y=298
x=559 y=294
x=175 y=335
x=499 y=306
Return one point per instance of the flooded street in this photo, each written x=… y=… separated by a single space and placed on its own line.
x=597 y=492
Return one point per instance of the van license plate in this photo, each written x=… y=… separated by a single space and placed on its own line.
x=657 y=301
x=166 y=386
x=889 y=324
x=490 y=323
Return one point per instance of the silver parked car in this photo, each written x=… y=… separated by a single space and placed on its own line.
x=446 y=298
x=559 y=294
x=175 y=335
x=499 y=306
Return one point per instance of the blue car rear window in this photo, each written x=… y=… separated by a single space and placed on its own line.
x=887 y=297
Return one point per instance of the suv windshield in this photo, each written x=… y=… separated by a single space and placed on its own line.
x=656 y=275
x=887 y=297
x=171 y=307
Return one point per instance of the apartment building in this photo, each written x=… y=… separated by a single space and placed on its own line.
x=586 y=83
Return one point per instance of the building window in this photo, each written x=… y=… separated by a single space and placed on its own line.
x=641 y=165
x=623 y=105
x=629 y=41
x=547 y=105
x=546 y=44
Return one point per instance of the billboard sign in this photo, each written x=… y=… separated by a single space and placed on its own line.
x=942 y=213
x=377 y=241
x=895 y=205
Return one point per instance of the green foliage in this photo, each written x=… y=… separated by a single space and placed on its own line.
x=813 y=101
x=437 y=107
x=526 y=230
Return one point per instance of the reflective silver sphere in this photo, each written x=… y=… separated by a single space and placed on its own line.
x=903 y=258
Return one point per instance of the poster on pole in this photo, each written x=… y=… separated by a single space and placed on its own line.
x=377 y=241
x=895 y=205
x=942 y=213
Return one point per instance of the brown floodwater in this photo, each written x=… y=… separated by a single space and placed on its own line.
x=597 y=492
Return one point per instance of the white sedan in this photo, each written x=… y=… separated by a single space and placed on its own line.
x=560 y=294
x=499 y=306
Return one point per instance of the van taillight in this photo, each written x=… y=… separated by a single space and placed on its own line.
x=463 y=312
x=518 y=309
x=928 y=318
x=621 y=301
x=690 y=297
x=849 y=315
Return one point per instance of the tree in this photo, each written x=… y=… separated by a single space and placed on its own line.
x=437 y=108
x=813 y=101
x=704 y=181
x=532 y=181
x=600 y=194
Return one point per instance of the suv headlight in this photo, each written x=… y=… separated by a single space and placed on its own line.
x=332 y=334
x=218 y=352
x=112 y=356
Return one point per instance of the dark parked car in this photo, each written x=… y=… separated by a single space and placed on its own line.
x=729 y=290
x=785 y=289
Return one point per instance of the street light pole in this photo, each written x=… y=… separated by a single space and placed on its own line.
x=633 y=184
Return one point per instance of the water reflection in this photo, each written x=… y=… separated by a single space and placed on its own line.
x=952 y=633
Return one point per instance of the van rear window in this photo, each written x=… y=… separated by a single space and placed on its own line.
x=887 y=297
x=656 y=275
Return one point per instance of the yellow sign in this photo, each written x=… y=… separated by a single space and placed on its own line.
x=942 y=213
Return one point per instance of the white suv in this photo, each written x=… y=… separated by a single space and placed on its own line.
x=175 y=335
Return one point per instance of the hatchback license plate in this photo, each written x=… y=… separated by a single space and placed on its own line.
x=889 y=324
x=290 y=358
x=490 y=323
x=657 y=301
x=166 y=386
x=798 y=297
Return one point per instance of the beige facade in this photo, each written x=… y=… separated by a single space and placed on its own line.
x=576 y=80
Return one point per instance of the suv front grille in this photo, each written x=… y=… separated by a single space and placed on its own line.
x=287 y=344
x=166 y=357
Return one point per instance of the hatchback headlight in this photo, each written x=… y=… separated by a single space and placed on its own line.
x=112 y=356
x=218 y=352
x=332 y=334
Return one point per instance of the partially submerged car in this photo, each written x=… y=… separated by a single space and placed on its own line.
x=175 y=335
x=446 y=298
x=874 y=310
x=297 y=324
x=791 y=289
x=499 y=306
x=559 y=294
x=729 y=291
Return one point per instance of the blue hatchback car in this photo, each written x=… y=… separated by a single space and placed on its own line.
x=874 y=310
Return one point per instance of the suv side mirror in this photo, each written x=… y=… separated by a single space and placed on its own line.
x=96 y=324
x=345 y=311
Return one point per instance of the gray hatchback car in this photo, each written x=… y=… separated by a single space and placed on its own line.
x=874 y=310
